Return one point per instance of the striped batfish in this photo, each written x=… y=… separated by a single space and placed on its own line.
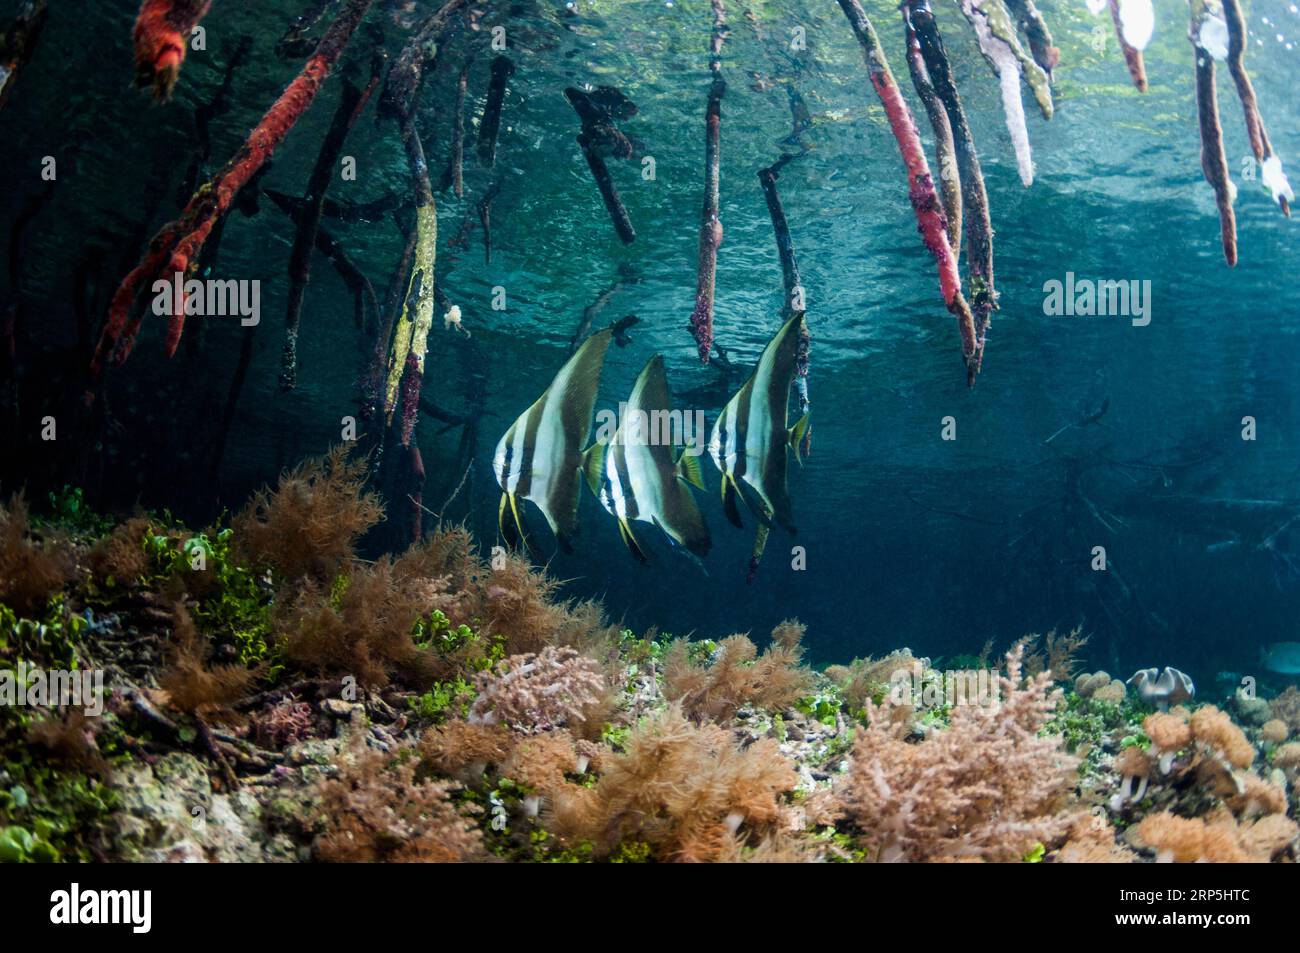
x=540 y=458
x=640 y=479
x=750 y=435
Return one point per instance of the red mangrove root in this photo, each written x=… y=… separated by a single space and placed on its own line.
x=1214 y=160
x=710 y=224
x=945 y=153
x=179 y=243
x=930 y=218
x=1260 y=145
x=975 y=203
x=1132 y=55
x=162 y=35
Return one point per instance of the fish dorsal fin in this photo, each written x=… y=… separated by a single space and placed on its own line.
x=576 y=384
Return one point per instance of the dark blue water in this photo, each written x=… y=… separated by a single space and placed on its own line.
x=909 y=539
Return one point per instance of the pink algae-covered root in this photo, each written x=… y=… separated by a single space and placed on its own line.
x=932 y=223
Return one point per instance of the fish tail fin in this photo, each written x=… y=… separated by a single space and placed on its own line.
x=730 y=492
x=796 y=434
x=593 y=467
x=625 y=531
x=688 y=469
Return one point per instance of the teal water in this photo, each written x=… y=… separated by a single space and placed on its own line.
x=909 y=539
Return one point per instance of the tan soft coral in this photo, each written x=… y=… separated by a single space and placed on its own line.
x=119 y=558
x=1274 y=731
x=1286 y=706
x=192 y=684
x=1189 y=840
x=362 y=625
x=865 y=679
x=1257 y=797
x=536 y=692
x=1216 y=730
x=309 y=525
x=516 y=602
x=1054 y=653
x=463 y=750
x=377 y=809
x=986 y=787
x=1218 y=838
x=539 y=763
x=685 y=790
x=738 y=676
x=1092 y=841
x=31 y=569
x=1287 y=757
x=1169 y=734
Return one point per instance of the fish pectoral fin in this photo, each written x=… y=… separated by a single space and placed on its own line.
x=689 y=470
x=795 y=435
x=593 y=467
x=729 y=495
x=629 y=540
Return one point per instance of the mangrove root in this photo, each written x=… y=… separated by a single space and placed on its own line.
x=489 y=127
x=179 y=243
x=402 y=87
x=710 y=224
x=1034 y=27
x=351 y=104
x=295 y=43
x=1214 y=160
x=411 y=336
x=598 y=138
x=455 y=176
x=930 y=218
x=1132 y=53
x=945 y=155
x=1271 y=165
x=162 y=35
x=998 y=42
x=975 y=204
x=794 y=292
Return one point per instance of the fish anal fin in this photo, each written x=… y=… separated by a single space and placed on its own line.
x=730 y=493
x=629 y=540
